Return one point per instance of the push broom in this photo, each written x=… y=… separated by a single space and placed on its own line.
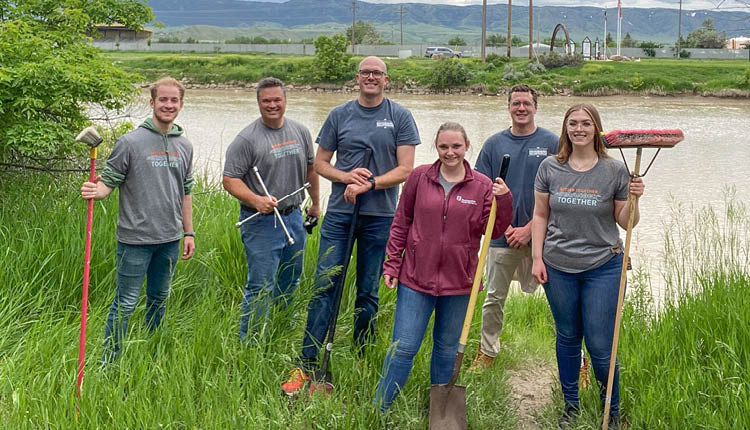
x=638 y=139
x=90 y=137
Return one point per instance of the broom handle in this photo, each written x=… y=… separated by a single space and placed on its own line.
x=86 y=268
x=474 y=291
x=620 y=297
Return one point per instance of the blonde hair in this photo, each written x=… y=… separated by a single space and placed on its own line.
x=170 y=81
x=565 y=147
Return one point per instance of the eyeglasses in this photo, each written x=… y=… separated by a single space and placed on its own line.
x=377 y=74
x=517 y=103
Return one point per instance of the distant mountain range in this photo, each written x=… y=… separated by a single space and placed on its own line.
x=432 y=22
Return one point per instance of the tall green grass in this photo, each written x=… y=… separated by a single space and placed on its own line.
x=683 y=367
x=193 y=372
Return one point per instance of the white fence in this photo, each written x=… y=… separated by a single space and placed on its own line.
x=390 y=50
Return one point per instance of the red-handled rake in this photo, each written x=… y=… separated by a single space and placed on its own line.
x=638 y=139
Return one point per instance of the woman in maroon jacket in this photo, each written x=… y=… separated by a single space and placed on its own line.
x=432 y=256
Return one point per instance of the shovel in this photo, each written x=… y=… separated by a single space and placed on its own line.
x=448 y=402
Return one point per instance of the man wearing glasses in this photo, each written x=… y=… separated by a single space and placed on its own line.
x=370 y=122
x=528 y=145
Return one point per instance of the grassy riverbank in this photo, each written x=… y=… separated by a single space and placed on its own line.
x=649 y=76
x=685 y=367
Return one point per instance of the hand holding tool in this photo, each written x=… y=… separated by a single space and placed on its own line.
x=275 y=210
x=300 y=189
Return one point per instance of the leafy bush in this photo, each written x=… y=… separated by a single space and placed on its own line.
x=554 y=59
x=636 y=82
x=536 y=68
x=331 y=59
x=649 y=48
x=545 y=89
x=496 y=60
x=510 y=73
x=448 y=72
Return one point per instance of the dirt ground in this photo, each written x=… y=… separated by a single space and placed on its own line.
x=531 y=390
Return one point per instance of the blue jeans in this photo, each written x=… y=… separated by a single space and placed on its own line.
x=584 y=306
x=413 y=311
x=371 y=234
x=273 y=266
x=134 y=262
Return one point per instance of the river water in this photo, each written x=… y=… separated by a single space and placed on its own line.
x=714 y=155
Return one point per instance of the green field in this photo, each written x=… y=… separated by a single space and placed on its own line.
x=683 y=367
x=649 y=76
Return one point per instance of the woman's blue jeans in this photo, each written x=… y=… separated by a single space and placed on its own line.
x=134 y=262
x=413 y=311
x=273 y=266
x=584 y=306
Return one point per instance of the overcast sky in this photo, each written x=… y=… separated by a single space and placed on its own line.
x=686 y=4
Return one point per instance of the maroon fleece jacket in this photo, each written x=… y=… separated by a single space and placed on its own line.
x=434 y=240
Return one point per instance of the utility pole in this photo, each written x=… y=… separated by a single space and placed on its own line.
x=484 y=28
x=508 y=42
x=604 y=51
x=531 y=29
x=679 y=30
x=354 y=14
x=402 y=12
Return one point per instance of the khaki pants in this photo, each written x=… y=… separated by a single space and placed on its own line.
x=503 y=266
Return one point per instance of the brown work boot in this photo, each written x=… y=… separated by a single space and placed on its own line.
x=481 y=361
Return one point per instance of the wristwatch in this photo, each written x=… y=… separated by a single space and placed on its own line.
x=188 y=233
x=372 y=181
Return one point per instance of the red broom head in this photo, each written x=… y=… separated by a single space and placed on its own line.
x=642 y=138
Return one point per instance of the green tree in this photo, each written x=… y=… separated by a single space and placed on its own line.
x=364 y=33
x=496 y=40
x=457 y=41
x=706 y=37
x=517 y=41
x=50 y=75
x=331 y=59
x=628 y=42
x=610 y=41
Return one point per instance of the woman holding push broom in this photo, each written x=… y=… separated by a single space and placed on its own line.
x=432 y=256
x=580 y=198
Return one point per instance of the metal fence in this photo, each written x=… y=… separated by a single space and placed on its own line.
x=390 y=50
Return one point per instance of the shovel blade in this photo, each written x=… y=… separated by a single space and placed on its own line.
x=448 y=407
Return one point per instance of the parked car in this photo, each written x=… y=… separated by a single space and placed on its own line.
x=445 y=52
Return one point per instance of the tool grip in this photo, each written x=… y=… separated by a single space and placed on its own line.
x=504 y=165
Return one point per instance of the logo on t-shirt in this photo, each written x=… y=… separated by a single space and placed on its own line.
x=578 y=196
x=164 y=159
x=285 y=149
x=466 y=201
x=538 y=152
x=384 y=123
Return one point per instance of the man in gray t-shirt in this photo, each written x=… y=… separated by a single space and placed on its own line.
x=371 y=122
x=152 y=168
x=510 y=255
x=281 y=149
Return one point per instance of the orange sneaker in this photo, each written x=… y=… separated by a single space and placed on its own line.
x=296 y=382
x=481 y=361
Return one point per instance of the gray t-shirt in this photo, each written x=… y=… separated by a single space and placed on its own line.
x=526 y=153
x=153 y=169
x=282 y=156
x=582 y=232
x=447 y=186
x=352 y=128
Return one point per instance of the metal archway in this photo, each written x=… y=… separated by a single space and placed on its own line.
x=567 y=38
